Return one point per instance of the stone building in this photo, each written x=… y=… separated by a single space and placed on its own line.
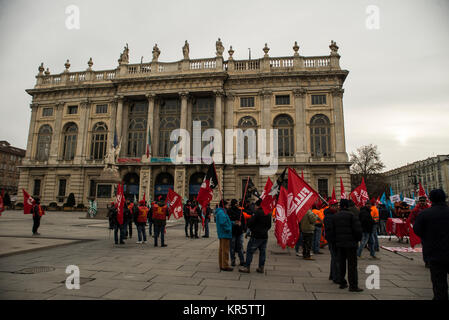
x=75 y=117
x=10 y=159
x=433 y=173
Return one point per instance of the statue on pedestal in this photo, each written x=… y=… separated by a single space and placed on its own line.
x=219 y=47
x=124 y=56
x=156 y=52
x=186 y=50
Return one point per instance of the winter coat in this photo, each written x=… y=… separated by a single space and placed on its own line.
x=235 y=214
x=308 y=222
x=432 y=225
x=329 y=234
x=383 y=213
x=366 y=220
x=186 y=211
x=259 y=224
x=223 y=223
x=347 y=229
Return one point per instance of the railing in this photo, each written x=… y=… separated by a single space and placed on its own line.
x=203 y=64
x=317 y=62
x=281 y=62
x=247 y=65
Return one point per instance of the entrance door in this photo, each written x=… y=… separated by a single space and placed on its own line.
x=131 y=186
x=164 y=182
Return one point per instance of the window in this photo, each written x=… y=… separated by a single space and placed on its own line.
x=322 y=187
x=248 y=124
x=320 y=136
x=47 y=112
x=137 y=129
x=283 y=100
x=203 y=110
x=62 y=187
x=104 y=191
x=247 y=102
x=318 y=99
x=37 y=187
x=102 y=108
x=169 y=114
x=92 y=189
x=72 y=110
x=69 y=147
x=43 y=143
x=99 y=141
x=284 y=124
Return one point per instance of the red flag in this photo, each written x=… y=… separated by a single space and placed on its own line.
x=302 y=175
x=422 y=193
x=28 y=202
x=360 y=195
x=282 y=231
x=2 y=206
x=175 y=204
x=144 y=197
x=414 y=239
x=120 y=203
x=333 y=198
x=267 y=200
x=342 y=190
x=301 y=196
x=210 y=181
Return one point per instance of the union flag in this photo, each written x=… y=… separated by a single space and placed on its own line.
x=301 y=196
x=342 y=190
x=120 y=203
x=210 y=182
x=270 y=198
x=28 y=202
x=174 y=204
x=282 y=231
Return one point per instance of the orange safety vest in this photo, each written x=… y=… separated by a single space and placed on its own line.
x=41 y=211
x=319 y=214
x=375 y=214
x=159 y=213
x=143 y=212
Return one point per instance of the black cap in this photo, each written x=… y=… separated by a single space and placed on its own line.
x=437 y=196
x=344 y=203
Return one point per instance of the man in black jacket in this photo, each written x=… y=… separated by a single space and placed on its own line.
x=383 y=217
x=36 y=210
x=329 y=214
x=186 y=216
x=367 y=222
x=259 y=223
x=235 y=214
x=432 y=225
x=348 y=233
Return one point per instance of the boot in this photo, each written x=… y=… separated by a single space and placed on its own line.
x=244 y=270
x=260 y=269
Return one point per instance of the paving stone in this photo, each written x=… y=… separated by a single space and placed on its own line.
x=229 y=293
x=84 y=291
x=167 y=288
x=20 y=295
x=225 y=283
x=277 y=286
x=176 y=280
x=262 y=294
x=129 y=294
x=217 y=275
x=422 y=292
x=413 y=284
x=115 y=283
x=343 y=296
x=180 y=296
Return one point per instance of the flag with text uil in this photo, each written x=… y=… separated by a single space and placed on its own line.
x=270 y=197
x=301 y=196
x=28 y=202
x=342 y=190
x=282 y=231
x=174 y=204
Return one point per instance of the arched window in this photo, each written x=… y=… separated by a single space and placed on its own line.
x=99 y=141
x=284 y=124
x=320 y=136
x=203 y=110
x=245 y=123
x=43 y=143
x=137 y=129
x=70 y=136
x=169 y=115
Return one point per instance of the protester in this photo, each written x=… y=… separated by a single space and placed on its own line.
x=352 y=208
x=194 y=214
x=348 y=232
x=186 y=211
x=383 y=217
x=236 y=215
x=319 y=213
x=224 y=232
x=367 y=222
x=142 y=217
x=330 y=238
x=307 y=230
x=150 y=219
x=259 y=223
x=160 y=213
x=128 y=218
x=114 y=224
x=207 y=214
x=37 y=214
x=422 y=205
x=432 y=226
x=375 y=215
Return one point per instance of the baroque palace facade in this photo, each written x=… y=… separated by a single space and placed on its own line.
x=75 y=117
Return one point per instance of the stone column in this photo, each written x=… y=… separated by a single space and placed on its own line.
x=180 y=181
x=57 y=134
x=30 y=143
x=82 y=131
x=300 y=125
x=184 y=95
x=229 y=120
x=265 y=110
x=112 y=123
x=157 y=106
x=119 y=116
x=340 y=146
x=218 y=117
x=150 y=119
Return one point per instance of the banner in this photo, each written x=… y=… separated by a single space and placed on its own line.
x=342 y=190
x=409 y=201
x=28 y=202
x=210 y=181
x=301 y=196
x=267 y=199
x=395 y=198
x=360 y=195
x=174 y=204
x=282 y=232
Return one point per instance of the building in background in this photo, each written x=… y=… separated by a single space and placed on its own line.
x=10 y=158
x=433 y=173
x=76 y=115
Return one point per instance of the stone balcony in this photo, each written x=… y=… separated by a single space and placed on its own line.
x=185 y=67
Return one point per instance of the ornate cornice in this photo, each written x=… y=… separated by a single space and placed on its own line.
x=337 y=92
x=265 y=93
x=300 y=92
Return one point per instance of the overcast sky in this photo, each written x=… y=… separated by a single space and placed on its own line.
x=396 y=93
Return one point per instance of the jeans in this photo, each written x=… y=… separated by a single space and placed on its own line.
x=193 y=222
x=141 y=233
x=36 y=223
x=150 y=227
x=206 y=227
x=159 y=229
x=438 y=275
x=187 y=226
x=253 y=245
x=350 y=255
x=316 y=240
x=383 y=227
x=366 y=238
x=237 y=246
x=307 y=244
x=118 y=228
x=375 y=239
x=334 y=271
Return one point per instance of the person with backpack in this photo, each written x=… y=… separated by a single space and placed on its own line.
x=194 y=213
x=38 y=212
x=160 y=214
x=186 y=211
x=115 y=225
x=141 y=222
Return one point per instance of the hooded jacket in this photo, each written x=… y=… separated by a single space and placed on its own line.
x=347 y=229
x=259 y=224
x=223 y=223
x=366 y=220
x=308 y=222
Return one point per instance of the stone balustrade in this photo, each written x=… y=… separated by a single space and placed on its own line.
x=267 y=64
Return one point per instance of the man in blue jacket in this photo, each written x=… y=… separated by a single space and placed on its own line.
x=224 y=232
x=432 y=226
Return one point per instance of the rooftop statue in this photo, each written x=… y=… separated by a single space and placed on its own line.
x=124 y=57
x=156 y=52
x=186 y=50
x=220 y=48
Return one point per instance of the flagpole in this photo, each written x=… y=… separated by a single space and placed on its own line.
x=243 y=201
x=218 y=182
